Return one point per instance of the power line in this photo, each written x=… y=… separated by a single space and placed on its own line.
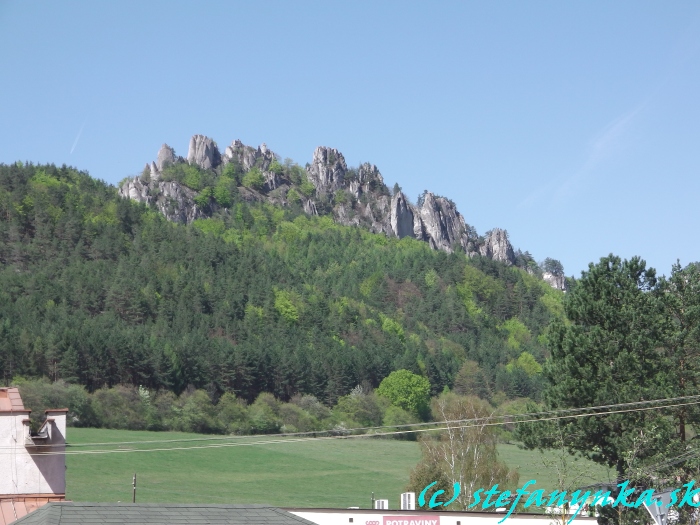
x=511 y=418
x=480 y=422
x=648 y=470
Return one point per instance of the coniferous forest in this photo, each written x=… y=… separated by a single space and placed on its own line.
x=99 y=291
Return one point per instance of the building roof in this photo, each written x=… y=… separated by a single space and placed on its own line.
x=17 y=506
x=10 y=400
x=68 y=513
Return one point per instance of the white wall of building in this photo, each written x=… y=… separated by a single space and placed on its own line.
x=22 y=469
x=403 y=517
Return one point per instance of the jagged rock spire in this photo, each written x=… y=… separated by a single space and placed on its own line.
x=203 y=152
x=327 y=170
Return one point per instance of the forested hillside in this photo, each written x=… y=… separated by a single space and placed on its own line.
x=99 y=290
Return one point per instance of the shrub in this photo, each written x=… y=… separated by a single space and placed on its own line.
x=233 y=414
x=254 y=179
x=340 y=196
x=293 y=195
x=396 y=417
x=263 y=416
x=120 y=407
x=202 y=199
x=312 y=405
x=225 y=191
x=198 y=414
x=406 y=390
x=295 y=419
x=367 y=410
x=276 y=167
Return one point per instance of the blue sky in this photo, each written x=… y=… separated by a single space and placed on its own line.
x=574 y=125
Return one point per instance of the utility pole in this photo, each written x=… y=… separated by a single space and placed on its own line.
x=134 y=486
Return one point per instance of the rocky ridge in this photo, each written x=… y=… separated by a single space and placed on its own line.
x=353 y=196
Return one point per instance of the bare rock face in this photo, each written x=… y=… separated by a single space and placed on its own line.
x=555 y=281
x=266 y=156
x=174 y=201
x=441 y=224
x=203 y=152
x=247 y=156
x=166 y=157
x=136 y=190
x=378 y=214
x=309 y=207
x=327 y=170
x=155 y=172
x=367 y=179
x=401 y=216
x=498 y=247
x=239 y=152
x=367 y=202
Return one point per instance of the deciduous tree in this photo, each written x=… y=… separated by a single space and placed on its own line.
x=465 y=452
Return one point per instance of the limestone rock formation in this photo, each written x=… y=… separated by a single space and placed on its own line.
x=555 y=281
x=166 y=157
x=154 y=171
x=498 y=247
x=203 y=152
x=367 y=179
x=401 y=216
x=136 y=190
x=377 y=214
x=173 y=200
x=239 y=152
x=367 y=202
x=247 y=156
x=327 y=170
x=442 y=225
x=309 y=207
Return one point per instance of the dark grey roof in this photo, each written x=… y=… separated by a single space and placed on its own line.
x=68 y=513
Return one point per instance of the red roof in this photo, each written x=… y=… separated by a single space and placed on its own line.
x=10 y=401
x=13 y=508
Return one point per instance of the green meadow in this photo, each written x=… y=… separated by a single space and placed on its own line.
x=312 y=473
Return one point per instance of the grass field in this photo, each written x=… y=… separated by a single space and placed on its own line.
x=318 y=473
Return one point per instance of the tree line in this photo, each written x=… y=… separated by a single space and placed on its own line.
x=402 y=398
x=101 y=291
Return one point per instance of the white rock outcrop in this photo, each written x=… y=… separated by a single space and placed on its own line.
x=172 y=199
x=166 y=157
x=203 y=152
x=442 y=225
x=248 y=157
x=401 y=216
x=498 y=247
x=367 y=202
x=327 y=170
x=555 y=281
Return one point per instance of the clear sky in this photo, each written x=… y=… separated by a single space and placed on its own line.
x=573 y=125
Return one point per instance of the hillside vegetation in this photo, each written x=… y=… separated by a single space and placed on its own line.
x=100 y=291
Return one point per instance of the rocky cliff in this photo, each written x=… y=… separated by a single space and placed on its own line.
x=555 y=281
x=172 y=199
x=354 y=196
x=497 y=247
x=327 y=170
x=203 y=152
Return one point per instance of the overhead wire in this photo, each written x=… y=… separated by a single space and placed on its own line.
x=650 y=469
x=510 y=419
x=479 y=422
